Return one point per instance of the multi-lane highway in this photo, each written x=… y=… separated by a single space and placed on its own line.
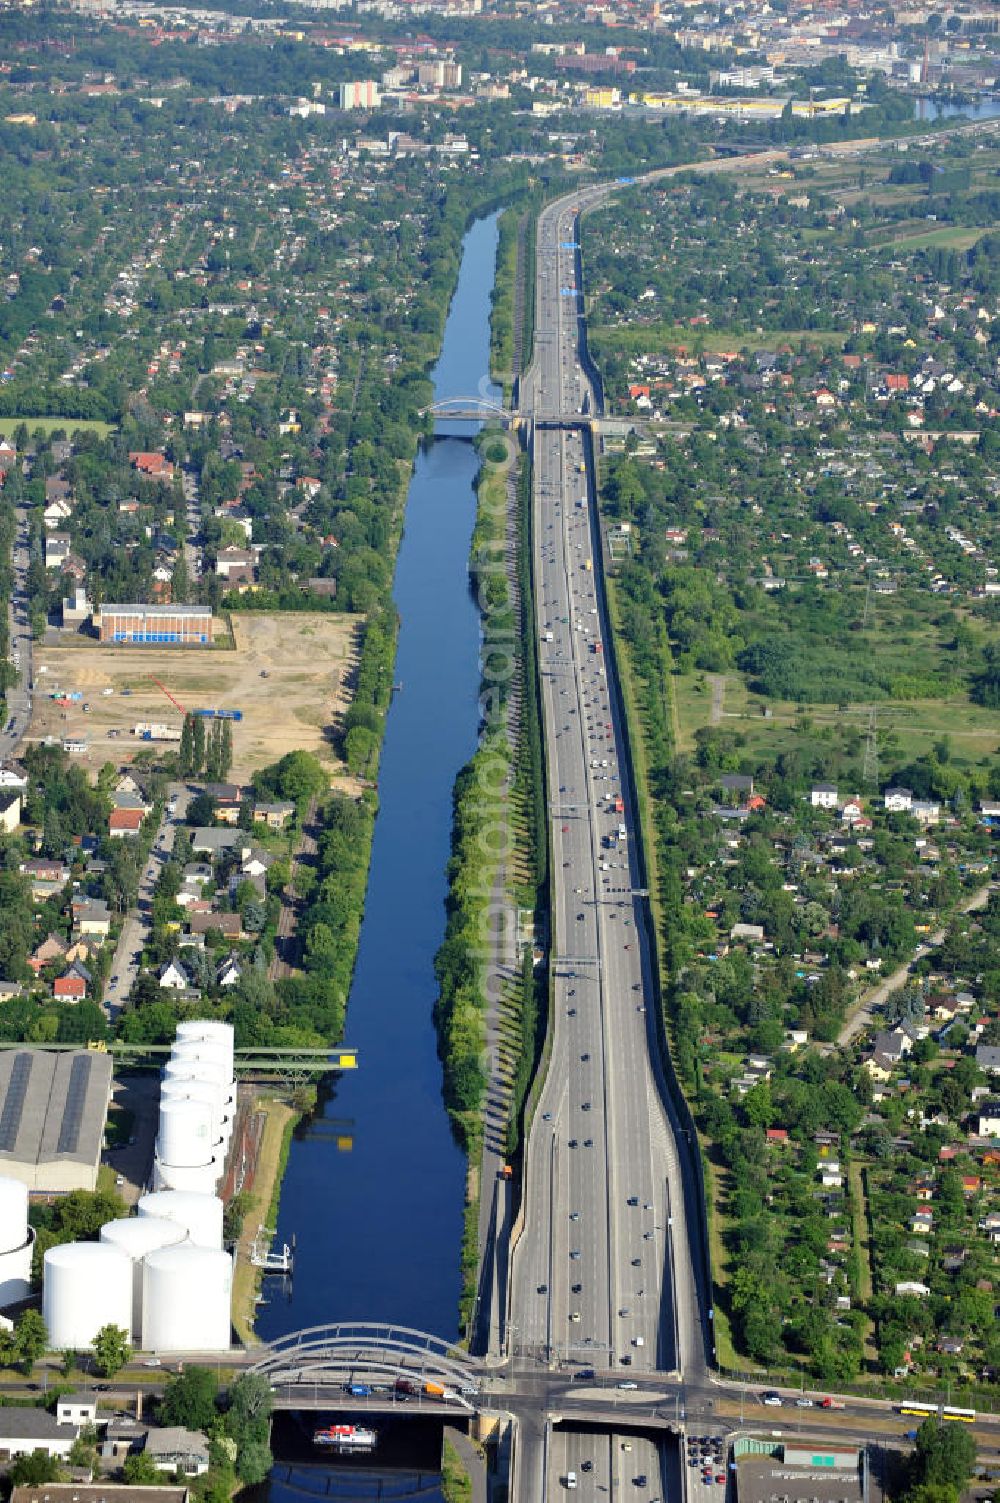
x=603 y=1272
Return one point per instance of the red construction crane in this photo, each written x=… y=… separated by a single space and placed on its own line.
x=175 y=702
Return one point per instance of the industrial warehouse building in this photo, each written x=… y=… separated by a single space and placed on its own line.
x=155 y=625
x=53 y=1108
x=772 y=1471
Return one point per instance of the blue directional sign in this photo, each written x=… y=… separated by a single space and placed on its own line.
x=569 y=245
x=625 y=180
x=567 y=292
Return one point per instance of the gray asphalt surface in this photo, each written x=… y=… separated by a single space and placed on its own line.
x=593 y=1278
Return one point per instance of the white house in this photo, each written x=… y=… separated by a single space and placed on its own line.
x=13 y=776
x=173 y=977
x=989 y=1119
x=898 y=800
x=229 y=971
x=823 y=796
x=23 y=1431
x=925 y=812
x=912 y=1286
x=77 y=1409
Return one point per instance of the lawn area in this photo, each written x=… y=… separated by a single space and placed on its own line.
x=973 y=731
x=948 y=237
x=715 y=1192
x=51 y=424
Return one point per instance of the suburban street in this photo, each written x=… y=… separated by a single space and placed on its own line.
x=135 y=929
x=19 y=695
x=603 y=1272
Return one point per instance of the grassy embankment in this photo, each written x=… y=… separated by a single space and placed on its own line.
x=263 y=1207
x=456 y=1484
x=647 y=689
x=498 y=862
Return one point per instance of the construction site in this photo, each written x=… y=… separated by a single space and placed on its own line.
x=284 y=685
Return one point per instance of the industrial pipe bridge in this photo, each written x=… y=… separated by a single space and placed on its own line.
x=320 y=1361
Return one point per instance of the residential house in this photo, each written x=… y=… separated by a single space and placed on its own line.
x=91 y=916
x=13 y=776
x=989 y=1119
x=77 y=1409
x=235 y=564
x=173 y=977
x=50 y=950
x=275 y=816
x=823 y=796
x=229 y=971
x=228 y=924
x=122 y=1437
x=208 y=841
x=175 y=1449
x=988 y=1058
x=898 y=800
x=24 y=1431
x=69 y=988
x=125 y=823
x=57 y=549
x=10 y=810
x=47 y=878
x=155 y=466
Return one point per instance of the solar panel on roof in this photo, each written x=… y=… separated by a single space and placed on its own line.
x=76 y=1097
x=17 y=1090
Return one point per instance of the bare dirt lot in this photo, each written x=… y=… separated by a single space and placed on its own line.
x=289 y=674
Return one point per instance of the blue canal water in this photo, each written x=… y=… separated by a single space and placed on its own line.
x=375 y=1182
x=987 y=108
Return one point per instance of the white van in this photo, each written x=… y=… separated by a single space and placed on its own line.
x=638 y=1341
x=571 y=1480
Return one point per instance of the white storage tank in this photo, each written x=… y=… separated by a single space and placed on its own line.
x=16 y=1241
x=203 y=1049
x=194 y=1179
x=186 y=1298
x=176 y=1089
x=136 y=1236
x=13 y=1213
x=194 y=1066
x=87 y=1285
x=209 y=1030
x=199 y=1215
x=185 y=1136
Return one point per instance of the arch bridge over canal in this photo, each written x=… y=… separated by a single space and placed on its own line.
x=317 y=1368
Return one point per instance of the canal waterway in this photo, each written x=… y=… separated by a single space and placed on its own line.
x=374 y=1188
x=983 y=108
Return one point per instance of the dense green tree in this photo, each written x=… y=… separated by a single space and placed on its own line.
x=112 y=1350
x=189 y=1399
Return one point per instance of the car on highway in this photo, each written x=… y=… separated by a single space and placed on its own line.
x=771 y=1399
x=803 y=1403
x=628 y=1385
